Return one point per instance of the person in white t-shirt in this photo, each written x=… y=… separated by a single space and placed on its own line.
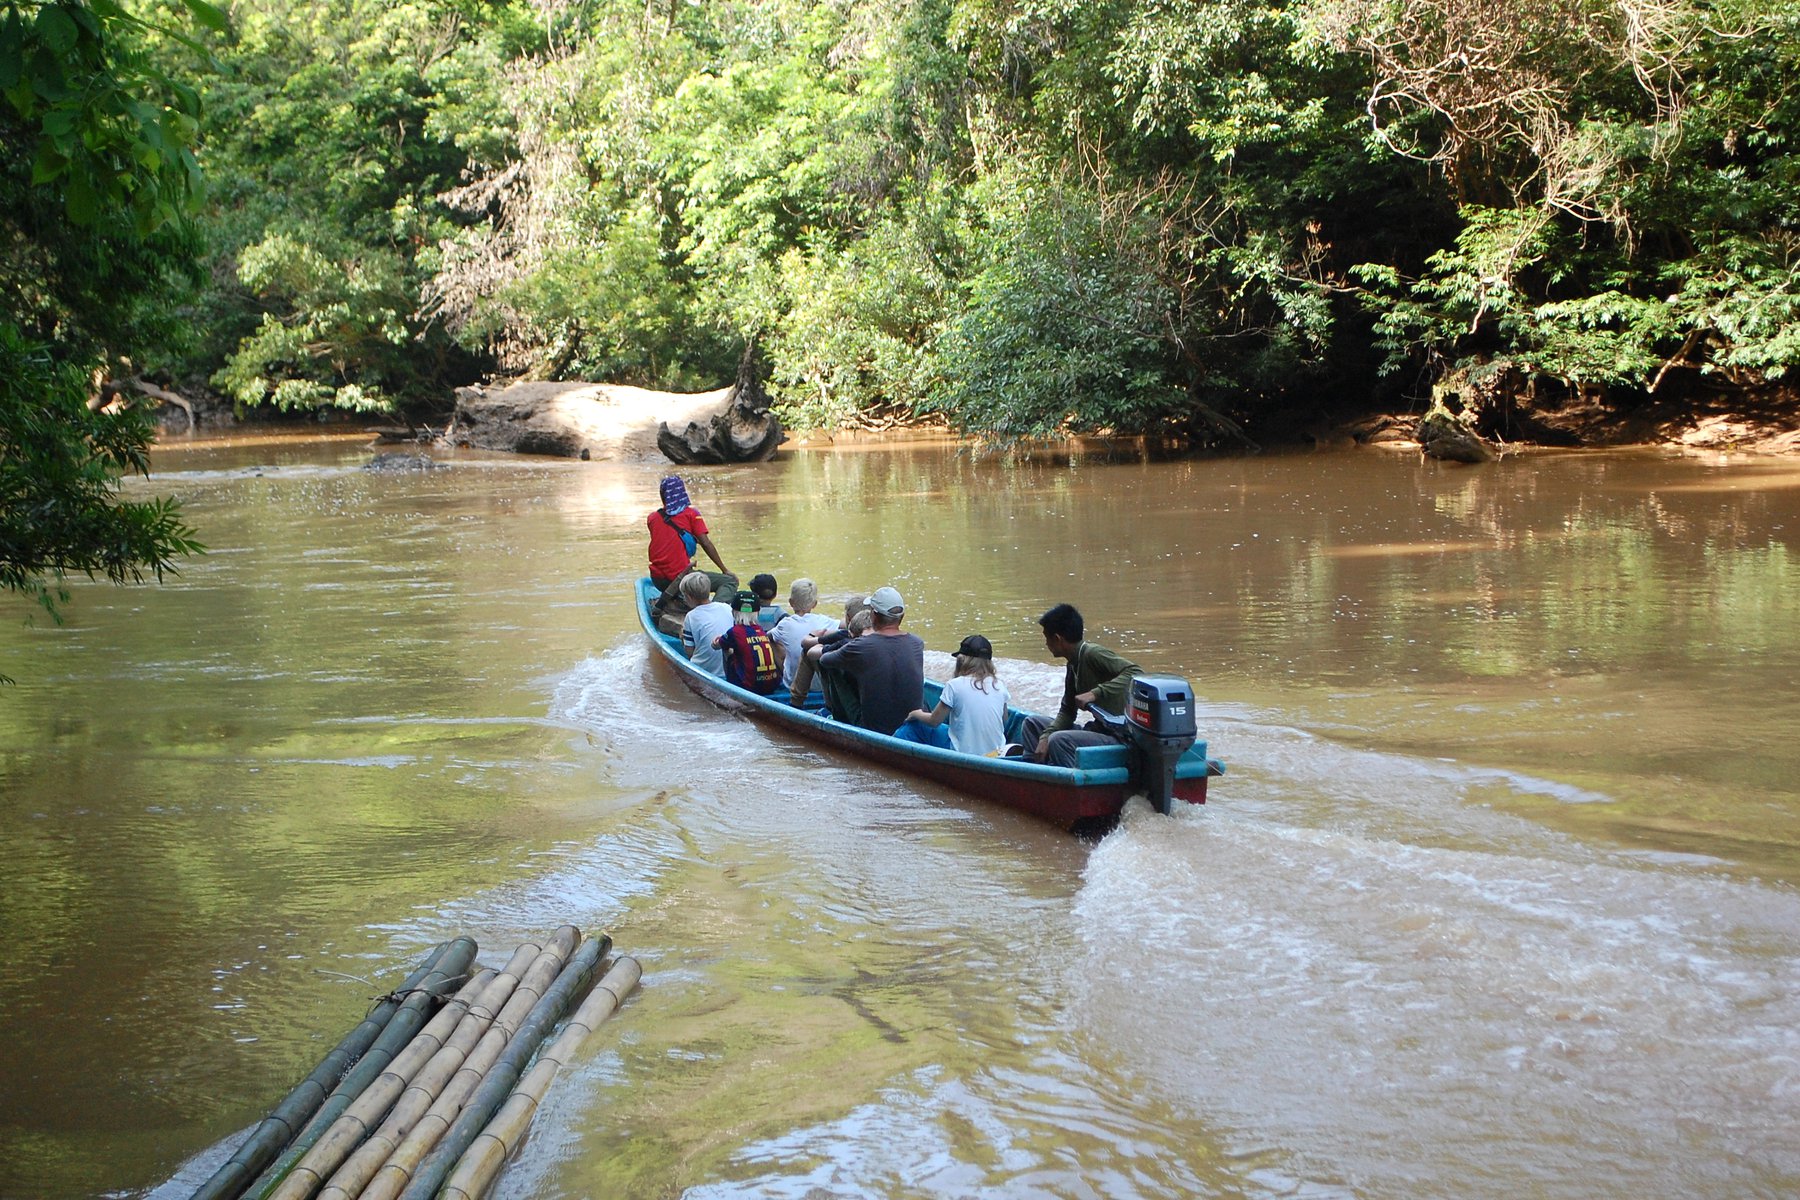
x=795 y=626
x=706 y=620
x=972 y=706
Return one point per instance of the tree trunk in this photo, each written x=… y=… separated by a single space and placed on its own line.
x=744 y=432
x=1441 y=435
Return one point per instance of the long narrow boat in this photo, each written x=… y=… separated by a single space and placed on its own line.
x=1085 y=797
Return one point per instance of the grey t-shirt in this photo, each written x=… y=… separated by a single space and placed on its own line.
x=889 y=673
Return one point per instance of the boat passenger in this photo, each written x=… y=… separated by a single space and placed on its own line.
x=671 y=608
x=803 y=673
x=1095 y=676
x=837 y=696
x=767 y=611
x=970 y=716
x=748 y=651
x=794 y=627
x=706 y=620
x=853 y=605
x=676 y=530
x=887 y=667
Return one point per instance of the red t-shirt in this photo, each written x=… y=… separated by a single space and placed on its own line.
x=669 y=556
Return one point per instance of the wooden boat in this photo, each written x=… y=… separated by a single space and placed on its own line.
x=1084 y=798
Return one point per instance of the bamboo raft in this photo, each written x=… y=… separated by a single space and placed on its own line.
x=433 y=1091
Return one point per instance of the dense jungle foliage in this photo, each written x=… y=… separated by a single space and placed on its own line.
x=100 y=189
x=1201 y=217
x=1023 y=215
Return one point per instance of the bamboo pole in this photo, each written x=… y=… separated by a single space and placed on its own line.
x=411 y=1152
x=348 y=1140
x=500 y=1078
x=404 y=1161
x=287 y=1118
x=495 y=1017
x=476 y=1170
x=450 y=973
x=338 y=1139
x=425 y=1132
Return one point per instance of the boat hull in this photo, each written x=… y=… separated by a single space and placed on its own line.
x=1070 y=798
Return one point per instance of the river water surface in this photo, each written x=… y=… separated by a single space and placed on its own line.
x=1499 y=897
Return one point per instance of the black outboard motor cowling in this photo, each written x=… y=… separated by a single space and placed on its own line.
x=1160 y=718
x=1159 y=727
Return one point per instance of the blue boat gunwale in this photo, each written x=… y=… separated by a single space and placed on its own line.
x=1193 y=764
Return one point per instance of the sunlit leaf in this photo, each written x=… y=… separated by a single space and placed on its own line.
x=208 y=15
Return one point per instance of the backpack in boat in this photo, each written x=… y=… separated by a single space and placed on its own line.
x=750 y=659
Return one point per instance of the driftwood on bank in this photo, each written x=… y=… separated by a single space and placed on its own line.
x=1441 y=435
x=111 y=396
x=743 y=431
x=600 y=420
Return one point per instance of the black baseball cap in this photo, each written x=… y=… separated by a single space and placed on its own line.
x=976 y=646
x=746 y=602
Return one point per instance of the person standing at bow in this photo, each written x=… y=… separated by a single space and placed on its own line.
x=676 y=531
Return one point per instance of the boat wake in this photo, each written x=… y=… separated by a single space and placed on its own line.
x=1412 y=994
x=1351 y=971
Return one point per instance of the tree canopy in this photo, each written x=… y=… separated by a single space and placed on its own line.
x=99 y=182
x=1202 y=217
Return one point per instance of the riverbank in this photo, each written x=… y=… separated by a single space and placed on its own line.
x=1497 y=407
x=1760 y=422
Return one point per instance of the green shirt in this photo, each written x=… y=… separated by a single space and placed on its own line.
x=1098 y=670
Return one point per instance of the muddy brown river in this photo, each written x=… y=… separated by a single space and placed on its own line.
x=1499 y=897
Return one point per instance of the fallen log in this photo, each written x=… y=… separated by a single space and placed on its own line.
x=164 y=396
x=743 y=431
x=108 y=396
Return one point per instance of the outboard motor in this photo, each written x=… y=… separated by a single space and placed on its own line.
x=1159 y=727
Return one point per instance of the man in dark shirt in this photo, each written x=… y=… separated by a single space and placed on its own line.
x=886 y=665
x=1095 y=675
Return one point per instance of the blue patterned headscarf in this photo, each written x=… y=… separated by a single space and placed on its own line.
x=674 y=495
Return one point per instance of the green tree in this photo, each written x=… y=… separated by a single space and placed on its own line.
x=1064 y=322
x=565 y=262
x=1625 y=177
x=98 y=182
x=60 y=464
x=1025 y=215
x=328 y=153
